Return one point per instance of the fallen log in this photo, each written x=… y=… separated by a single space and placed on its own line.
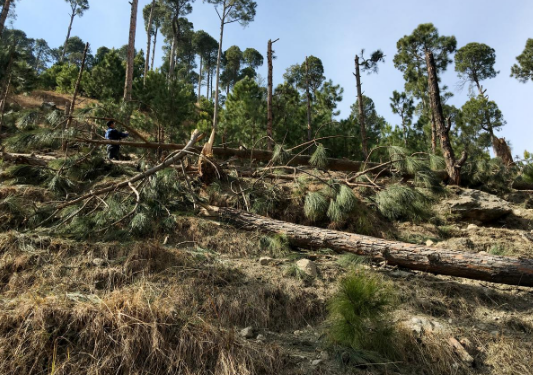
x=258 y=155
x=438 y=261
x=39 y=161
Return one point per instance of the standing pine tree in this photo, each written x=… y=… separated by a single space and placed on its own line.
x=228 y=11
x=78 y=8
x=128 y=84
x=523 y=71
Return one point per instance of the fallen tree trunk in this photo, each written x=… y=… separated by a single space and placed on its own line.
x=258 y=155
x=41 y=161
x=442 y=261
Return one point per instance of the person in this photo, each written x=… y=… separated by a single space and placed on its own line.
x=113 y=135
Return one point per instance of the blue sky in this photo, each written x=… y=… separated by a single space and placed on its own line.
x=334 y=31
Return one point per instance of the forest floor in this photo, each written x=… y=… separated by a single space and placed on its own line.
x=211 y=299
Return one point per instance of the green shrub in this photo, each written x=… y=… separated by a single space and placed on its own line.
x=359 y=315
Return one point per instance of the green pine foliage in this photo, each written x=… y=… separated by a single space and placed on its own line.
x=401 y=202
x=315 y=206
x=359 y=316
x=319 y=159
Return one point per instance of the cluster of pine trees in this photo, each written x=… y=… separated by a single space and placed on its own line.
x=202 y=84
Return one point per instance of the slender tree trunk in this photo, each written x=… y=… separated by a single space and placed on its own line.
x=149 y=35
x=208 y=83
x=3 y=102
x=200 y=79
x=309 y=133
x=37 y=62
x=3 y=15
x=153 y=51
x=128 y=85
x=442 y=261
x=68 y=33
x=270 y=117
x=210 y=143
x=453 y=167
x=211 y=85
x=364 y=140
x=171 y=60
x=5 y=93
x=74 y=96
x=404 y=130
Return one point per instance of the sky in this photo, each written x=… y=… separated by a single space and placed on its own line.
x=334 y=31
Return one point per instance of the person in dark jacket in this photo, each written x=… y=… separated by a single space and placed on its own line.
x=113 y=135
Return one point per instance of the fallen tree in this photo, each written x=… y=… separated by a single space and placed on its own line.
x=439 y=261
x=258 y=155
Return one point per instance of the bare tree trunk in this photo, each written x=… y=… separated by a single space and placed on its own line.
x=207 y=151
x=3 y=15
x=502 y=150
x=208 y=83
x=171 y=60
x=128 y=85
x=270 y=117
x=442 y=261
x=364 y=140
x=453 y=167
x=68 y=33
x=149 y=35
x=433 y=133
x=74 y=96
x=309 y=133
x=3 y=102
x=153 y=51
x=200 y=79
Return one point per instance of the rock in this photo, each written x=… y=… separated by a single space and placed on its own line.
x=307 y=266
x=265 y=261
x=472 y=227
x=260 y=338
x=476 y=205
x=429 y=243
x=316 y=362
x=99 y=262
x=517 y=213
x=247 y=333
x=422 y=325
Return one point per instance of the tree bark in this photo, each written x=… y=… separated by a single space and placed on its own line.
x=68 y=33
x=172 y=61
x=453 y=167
x=200 y=79
x=442 y=261
x=364 y=140
x=270 y=117
x=308 y=94
x=153 y=51
x=128 y=85
x=207 y=151
x=149 y=35
x=74 y=96
x=3 y=15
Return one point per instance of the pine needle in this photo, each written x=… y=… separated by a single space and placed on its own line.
x=319 y=159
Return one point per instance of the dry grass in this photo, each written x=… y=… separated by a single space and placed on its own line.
x=37 y=97
x=511 y=356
